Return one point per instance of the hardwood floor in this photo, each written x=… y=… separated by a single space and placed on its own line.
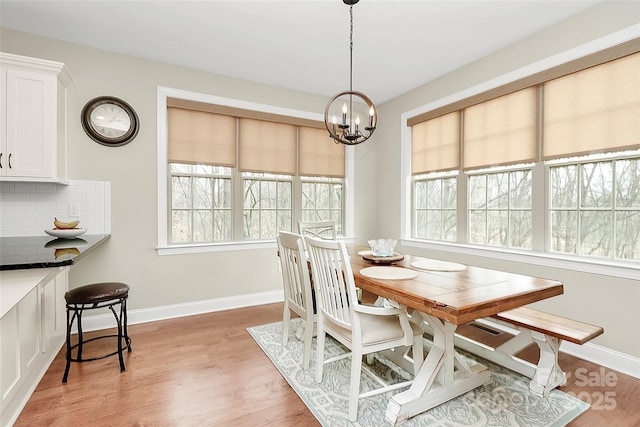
x=206 y=370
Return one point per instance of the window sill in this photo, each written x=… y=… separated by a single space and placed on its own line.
x=624 y=270
x=195 y=248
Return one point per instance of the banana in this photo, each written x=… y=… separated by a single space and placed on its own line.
x=66 y=251
x=60 y=224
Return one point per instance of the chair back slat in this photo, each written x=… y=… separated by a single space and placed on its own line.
x=333 y=280
x=295 y=269
x=320 y=229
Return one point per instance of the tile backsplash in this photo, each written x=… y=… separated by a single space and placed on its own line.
x=28 y=208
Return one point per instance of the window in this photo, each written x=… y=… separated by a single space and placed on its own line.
x=200 y=203
x=322 y=199
x=500 y=209
x=515 y=151
x=435 y=207
x=267 y=205
x=238 y=175
x=595 y=208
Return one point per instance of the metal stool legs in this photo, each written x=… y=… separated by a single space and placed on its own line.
x=74 y=313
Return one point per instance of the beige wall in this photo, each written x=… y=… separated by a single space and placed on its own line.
x=130 y=255
x=611 y=302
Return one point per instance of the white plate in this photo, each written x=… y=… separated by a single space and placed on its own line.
x=389 y=273
x=66 y=233
x=437 y=265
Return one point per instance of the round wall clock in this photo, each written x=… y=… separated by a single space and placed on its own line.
x=110 y=121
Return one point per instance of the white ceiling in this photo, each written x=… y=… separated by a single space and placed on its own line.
x=298 y=44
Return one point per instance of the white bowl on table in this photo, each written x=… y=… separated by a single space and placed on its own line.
x=66 y=233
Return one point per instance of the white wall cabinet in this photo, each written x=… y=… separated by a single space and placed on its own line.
x=32 y=115
x=31 y=334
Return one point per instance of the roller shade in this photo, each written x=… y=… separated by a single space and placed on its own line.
x=597 y=109
x=318 y=154
x=267 y=147
x=501 y=131
x=201 y=137
x=435 y=144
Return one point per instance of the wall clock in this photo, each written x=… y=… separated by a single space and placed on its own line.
x=110 y=121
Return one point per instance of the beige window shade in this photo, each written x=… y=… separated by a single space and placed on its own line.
x=318 y=154
x=187 y=104
x=501 y=131
x=435 y=144
x=267 y=147
x=597 y=58
x=597 y=109
x=199 y=137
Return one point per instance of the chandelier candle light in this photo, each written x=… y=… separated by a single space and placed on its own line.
x=350 y=106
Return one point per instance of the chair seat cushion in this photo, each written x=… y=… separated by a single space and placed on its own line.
x=96 y=292
x=375 y=329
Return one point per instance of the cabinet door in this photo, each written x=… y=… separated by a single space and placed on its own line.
x=20 y=344
x=54 y=315
x=29 y=328
x=30 y=124
x=10 y=371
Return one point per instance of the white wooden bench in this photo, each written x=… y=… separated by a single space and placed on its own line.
x=527 y=326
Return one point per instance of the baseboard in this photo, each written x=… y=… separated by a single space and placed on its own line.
x=607 y=357
x=105 y=321
x=612 y=359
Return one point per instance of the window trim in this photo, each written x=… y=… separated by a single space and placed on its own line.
x=597 y=266
x=163 y=248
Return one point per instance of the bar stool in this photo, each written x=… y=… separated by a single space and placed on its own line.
x=93 y=296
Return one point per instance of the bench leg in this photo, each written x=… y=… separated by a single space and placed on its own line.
x=548 y=373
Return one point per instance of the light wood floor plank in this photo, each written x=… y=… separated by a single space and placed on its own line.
x=206 y=370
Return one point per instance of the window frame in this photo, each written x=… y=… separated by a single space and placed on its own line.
x=163 y=175
x=538 y=255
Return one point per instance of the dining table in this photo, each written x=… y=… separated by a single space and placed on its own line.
x=444 y=295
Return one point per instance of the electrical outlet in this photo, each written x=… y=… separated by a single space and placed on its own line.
x=74 y=210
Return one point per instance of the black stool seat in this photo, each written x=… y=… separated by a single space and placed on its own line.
x=96 y=293
x=94 y=296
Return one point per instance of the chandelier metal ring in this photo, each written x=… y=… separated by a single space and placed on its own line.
x=349 y=131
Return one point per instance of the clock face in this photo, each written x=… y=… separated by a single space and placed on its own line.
x=109 y=121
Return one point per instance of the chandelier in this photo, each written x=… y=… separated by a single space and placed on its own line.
x=350 y=116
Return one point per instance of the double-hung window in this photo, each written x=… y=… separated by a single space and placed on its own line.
x=242 y=175
x=550 y=163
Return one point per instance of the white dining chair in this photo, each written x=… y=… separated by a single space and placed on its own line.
x=298 y=296
x=321 y=229
x=363 y=329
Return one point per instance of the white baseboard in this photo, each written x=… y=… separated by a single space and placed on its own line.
x=105 y=321
x=612 y=359
x=607 y=357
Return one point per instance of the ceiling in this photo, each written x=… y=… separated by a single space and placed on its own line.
x=302 y=44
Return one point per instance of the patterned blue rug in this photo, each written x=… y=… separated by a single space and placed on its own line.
x=504 y=401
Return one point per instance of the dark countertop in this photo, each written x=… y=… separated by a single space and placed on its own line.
x=21 y=252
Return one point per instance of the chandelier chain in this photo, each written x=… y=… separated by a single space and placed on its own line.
x=351 y=50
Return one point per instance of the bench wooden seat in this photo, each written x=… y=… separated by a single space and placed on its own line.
x=524 y=326
x=547 y=331
x=551 y=324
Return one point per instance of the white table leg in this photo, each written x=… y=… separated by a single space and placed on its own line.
x=548 y=373
x=443 y=376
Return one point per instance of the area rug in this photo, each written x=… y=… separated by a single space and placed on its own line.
x=504 y=401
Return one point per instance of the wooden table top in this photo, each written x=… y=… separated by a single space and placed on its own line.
x=456 y=296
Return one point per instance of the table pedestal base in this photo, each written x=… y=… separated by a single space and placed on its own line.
x=443 y=376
